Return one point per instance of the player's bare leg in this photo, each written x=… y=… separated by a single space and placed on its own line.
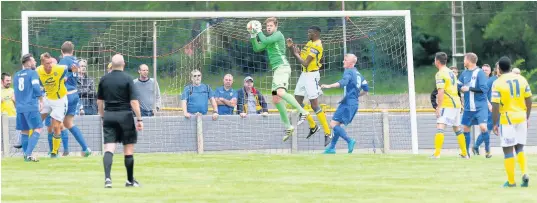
x=509 y=163
x=108 y=158
x=128 y=150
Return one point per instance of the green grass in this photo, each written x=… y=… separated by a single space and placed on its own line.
x=265 y=178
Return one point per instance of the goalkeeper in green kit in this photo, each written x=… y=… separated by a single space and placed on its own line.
x=275 y=46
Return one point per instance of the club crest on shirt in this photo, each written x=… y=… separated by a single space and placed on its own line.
x=55 y=74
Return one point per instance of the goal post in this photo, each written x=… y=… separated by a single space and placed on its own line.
x=402 y=60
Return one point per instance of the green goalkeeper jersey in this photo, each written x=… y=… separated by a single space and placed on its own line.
x=275 y=46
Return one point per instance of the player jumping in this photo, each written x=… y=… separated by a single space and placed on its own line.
x=514 y=94
x=449 y=106
x=308 y=82
x=485 y=137
x=55 y=103
x=275 y=46
x=476 y=105
x=28 y=94
x=69 y=60
x=353 y=82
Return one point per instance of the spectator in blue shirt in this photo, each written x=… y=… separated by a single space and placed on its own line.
x=226 y=97
x=196 y=96
x=250 y=100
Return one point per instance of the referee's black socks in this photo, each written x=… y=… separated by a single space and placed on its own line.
x=107 y=162
x=129 y=164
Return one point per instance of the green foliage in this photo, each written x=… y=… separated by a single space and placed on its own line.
x=493 y=29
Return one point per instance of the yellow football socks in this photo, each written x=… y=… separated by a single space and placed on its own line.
x=310 y=121
x=438 y=142
x=462 y=143
x=322 y=119
x=521 y=161
x=56 y=140
x=509 y=163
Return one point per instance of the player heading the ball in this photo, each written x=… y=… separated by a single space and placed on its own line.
x=275 y=46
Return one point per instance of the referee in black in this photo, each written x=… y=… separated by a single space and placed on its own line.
x=116 y=100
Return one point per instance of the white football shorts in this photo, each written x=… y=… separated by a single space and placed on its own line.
x=511 y=135
x=56 y=108
x=450 y=116
x=308 y=85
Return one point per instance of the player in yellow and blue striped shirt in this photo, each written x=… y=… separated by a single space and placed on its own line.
x=449 y=105
x=511 y=108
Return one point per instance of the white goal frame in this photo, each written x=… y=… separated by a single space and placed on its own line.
x=25 y=15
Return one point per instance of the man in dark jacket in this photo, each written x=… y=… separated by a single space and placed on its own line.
x=250 y=100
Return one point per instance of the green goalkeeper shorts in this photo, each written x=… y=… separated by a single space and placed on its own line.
x=280 y=77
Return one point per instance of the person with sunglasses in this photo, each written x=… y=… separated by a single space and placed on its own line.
x=196 y=96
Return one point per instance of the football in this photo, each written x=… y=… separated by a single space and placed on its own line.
x=253 y=27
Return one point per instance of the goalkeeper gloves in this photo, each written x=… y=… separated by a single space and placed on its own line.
x=255 y=31
x=253 y=35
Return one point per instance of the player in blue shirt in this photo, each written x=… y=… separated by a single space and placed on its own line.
x=29 y=96
x=69 y=60
x=353 y=83
x=473 y=83
x=486 y=136
x=195 y=97
x=226 y=97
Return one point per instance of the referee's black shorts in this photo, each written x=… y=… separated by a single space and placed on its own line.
x=118 y=127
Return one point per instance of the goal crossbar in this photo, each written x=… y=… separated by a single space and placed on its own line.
x=25 y=15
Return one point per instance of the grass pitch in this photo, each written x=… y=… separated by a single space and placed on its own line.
x=266 y=178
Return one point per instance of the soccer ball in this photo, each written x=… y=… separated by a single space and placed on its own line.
x=252 y=26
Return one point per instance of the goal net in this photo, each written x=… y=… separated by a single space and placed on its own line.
x=173 y=44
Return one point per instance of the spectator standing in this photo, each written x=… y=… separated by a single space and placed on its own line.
x=148 y=89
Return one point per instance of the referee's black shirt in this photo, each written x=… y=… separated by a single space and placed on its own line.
x=117 y=90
